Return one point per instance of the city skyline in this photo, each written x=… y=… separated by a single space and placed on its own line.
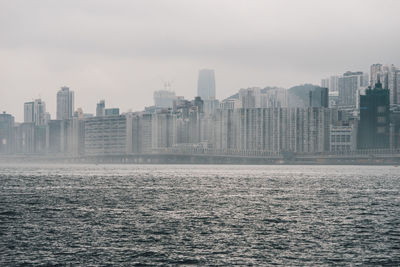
x=92 y=108
x=124 y=51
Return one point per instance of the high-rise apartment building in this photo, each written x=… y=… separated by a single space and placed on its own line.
x=6 y=133
x=29 y=112
x=65 y=103
x=206 y=84
x=389 y=76
x=100 y=108
x=374 y=119
x=250 y=97
x=349 y=86
x=106 y=135
x=35 y=111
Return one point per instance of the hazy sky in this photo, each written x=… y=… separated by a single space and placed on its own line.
x=122 y=51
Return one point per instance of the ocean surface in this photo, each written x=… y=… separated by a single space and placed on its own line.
x=199 y=215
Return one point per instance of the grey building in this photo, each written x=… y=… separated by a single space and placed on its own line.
x=25 y=138
x=206 y=84
x=349 y=86
x=65 y=103
x=343 y=137
x=319 y=97
x=389 y=76
x=139 y=133
x=106 y=135
x=100 y=108
x=111 y=112
x=273 y=129
x=35 y=111
x=164 y=98
x=6 y=133
x=55 y=137
x=163 y=130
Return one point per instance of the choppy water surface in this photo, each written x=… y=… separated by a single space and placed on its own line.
x=201 y=215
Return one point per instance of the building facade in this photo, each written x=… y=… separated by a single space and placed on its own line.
x=374 y=125
x=65 y=103
x=206 y=85
x=106 y=135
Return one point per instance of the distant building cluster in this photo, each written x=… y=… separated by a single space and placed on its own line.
x=349 y=112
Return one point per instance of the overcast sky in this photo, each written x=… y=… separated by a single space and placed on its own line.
x=122 y=51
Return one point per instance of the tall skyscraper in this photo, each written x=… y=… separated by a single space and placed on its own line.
x=28 y=111
x=100 y=108
x=349 y=86
x=35 y=112
x=206 y=84
x=65 y=103
x=388 y=76
x=373 y=130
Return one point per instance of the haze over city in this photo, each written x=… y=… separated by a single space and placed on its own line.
x=123 y=51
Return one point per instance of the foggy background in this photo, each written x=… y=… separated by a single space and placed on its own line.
x=122 y=51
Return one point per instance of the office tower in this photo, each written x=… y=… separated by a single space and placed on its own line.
x=319 y=97
x=206 y=84
x=6 y=133
x=349 y=86
x=29 y=111
x=373 y=130
x=100 y=108
x=164 y=98
x=35 y=112
x=65 y=103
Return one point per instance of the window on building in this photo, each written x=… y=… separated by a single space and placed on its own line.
x=381 y=109
x=381 y=119
x=380 y=130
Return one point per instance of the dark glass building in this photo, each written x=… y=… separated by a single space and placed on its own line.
x=319 y=97
x=374 y=130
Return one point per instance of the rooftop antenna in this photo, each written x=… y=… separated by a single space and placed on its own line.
x=168 y=85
